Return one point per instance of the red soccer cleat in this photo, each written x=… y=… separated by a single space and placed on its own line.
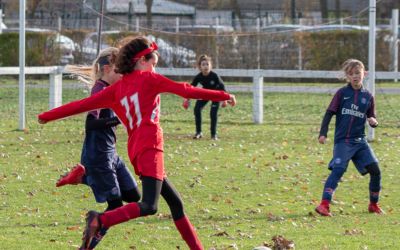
x=93 y=226
x=374 y=208
x=74 y=177
x=323 y=210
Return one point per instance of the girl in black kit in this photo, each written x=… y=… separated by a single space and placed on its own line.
x=208 y=80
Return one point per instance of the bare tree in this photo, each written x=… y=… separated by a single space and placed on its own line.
x=11 y=7
x=149 y=4
x=324 y=8
x=237 y=12
x=293 y=11
x=31 y=8
x=337 y=9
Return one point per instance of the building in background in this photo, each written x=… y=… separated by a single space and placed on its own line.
x=163 y=13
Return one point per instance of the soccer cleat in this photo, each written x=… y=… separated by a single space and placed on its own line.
x=374 y=208
x=198 y=136
x=74 y=177
x=93 y=226
x=98 y=237
x=323 y=210
x=214 y=137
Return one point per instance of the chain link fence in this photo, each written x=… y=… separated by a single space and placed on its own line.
x=246 y=44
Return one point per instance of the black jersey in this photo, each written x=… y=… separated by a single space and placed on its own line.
x=210 y=81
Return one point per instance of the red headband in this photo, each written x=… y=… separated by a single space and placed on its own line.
x=153 y=47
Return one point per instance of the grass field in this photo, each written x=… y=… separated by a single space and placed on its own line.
x=258 y=181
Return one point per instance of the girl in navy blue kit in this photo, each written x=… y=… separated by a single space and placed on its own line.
x=353 y=105
x=208 y=80
x=101 y=168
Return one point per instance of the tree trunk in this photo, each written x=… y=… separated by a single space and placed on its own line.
x=149 y=4
x=324 y=8
x=237 y=13
x=337 y=9
x=31 y=8
x=293 y=11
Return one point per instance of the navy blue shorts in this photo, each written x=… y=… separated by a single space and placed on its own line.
x=108 y=179
x=360 y=153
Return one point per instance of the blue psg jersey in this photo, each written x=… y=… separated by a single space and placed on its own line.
x=99 y=143
x=352 y=108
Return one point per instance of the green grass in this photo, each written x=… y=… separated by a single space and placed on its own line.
x=256 y=182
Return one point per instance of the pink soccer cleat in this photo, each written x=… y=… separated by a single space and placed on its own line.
x=74 y=177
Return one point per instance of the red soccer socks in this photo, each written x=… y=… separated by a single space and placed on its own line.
x=121 y=214
x=188 y=233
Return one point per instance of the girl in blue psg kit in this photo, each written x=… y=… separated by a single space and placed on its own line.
x=353 y=105
x=101 y=168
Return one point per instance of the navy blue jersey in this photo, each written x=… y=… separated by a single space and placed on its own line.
x=99 y=144
x=210 y=81
x=352 y=108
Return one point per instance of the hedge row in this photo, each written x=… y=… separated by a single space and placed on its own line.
x=37 y=53
x=328 y=50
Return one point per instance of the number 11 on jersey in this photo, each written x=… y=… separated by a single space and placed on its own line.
x=134 y=99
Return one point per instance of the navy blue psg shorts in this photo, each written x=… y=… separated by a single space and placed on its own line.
x=360 y=153
x=108 y=179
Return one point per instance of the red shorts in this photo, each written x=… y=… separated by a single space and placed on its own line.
x=150 y=163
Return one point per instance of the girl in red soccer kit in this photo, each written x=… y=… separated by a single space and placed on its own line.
x=136 y=101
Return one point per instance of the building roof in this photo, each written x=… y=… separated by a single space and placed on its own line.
x=253 y=4
x=281 y=5
x=159 y=7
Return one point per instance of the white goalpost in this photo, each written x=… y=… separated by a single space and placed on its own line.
x=371 y=58
x=22 y=8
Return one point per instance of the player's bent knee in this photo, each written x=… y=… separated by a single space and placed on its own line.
x=132 y=195
x=152 y=210
x=147 y=209
x=113 y=204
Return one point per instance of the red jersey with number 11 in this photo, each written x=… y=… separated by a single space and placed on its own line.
x=135 y=100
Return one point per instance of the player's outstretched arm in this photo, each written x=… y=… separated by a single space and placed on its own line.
x=102 y=99
x=186 y=90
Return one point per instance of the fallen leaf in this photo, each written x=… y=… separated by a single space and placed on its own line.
x=280 y=243
x=353 y=232
x=73 y=228
x=223 y=233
